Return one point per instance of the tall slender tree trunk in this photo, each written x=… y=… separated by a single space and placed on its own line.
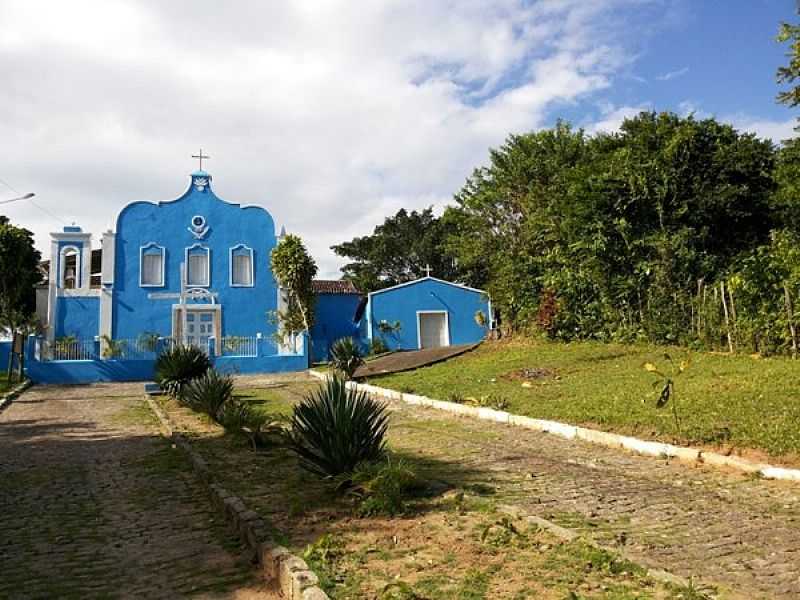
x=727 y=318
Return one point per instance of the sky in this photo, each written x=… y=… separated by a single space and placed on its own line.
x=334 y=114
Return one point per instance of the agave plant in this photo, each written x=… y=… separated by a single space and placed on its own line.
x=346 y=357
x=209 y=393
x=178 y=366
x=335 y=428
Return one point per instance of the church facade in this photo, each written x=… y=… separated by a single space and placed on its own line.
x=194 y=270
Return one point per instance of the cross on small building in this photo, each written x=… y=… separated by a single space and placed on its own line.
x=427 y=270
x=200 y=156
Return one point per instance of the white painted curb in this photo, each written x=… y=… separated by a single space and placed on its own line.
x=571 y=432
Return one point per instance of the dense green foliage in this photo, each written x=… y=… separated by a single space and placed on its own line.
x=177 y=366
x=345 y=355
x=335 y=428
x=209 y=393
x=19 y=274
x=624 y=236
x=790 y=73
x=398 y=251
x=383 y=486
x=295 y=270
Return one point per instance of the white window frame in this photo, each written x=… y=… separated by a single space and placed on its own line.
x=208 y=265
x=230 y=266
x=62 y=263
x=163 y=264
x=433 y=312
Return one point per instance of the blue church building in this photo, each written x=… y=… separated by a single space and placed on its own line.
x=196 y=270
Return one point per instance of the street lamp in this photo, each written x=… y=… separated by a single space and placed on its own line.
x=25 y=197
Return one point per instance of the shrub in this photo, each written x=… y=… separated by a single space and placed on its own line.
x=378 y=346
x=178 y=366
x=209 y=393
x=382 y=486
x=346 y=356
x=239 y=417
x=494 y=401
x=335 y=428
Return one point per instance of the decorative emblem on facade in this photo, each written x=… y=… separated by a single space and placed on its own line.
x=198 y=228
x=200 y=183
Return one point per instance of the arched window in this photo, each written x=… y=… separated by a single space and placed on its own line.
x=198 y=266
x=151 y=265
x=241 y=266
x=70 y=267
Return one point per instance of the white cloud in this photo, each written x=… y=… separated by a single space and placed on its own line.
x=331 y=114
x=613 y=117
x=672 y=74
x=777 y=131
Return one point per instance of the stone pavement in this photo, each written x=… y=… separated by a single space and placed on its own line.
x=95 y=504
x=731 y=530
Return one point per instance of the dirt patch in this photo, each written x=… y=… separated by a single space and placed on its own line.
x=530 y=374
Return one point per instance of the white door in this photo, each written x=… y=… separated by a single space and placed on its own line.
x=199 y=327
x=433 y=330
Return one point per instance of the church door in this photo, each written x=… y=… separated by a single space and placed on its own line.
x=199 y=327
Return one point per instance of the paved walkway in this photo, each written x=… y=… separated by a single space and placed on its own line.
x=94 y=504
x=724 y=528
x=407 y=360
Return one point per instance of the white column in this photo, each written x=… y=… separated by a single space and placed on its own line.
x=108 y=245
x=86 y=264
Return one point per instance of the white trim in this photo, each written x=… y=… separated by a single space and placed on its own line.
x=421 y=279
x=78 y=265
x=197 y=306
x=230 y=267
x=208 y=265
x=433 y=312
x=108 y=246
x=147 y=246
x=79 y=293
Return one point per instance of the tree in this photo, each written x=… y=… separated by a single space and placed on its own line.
x=398 y=251
x=19 y=274
x=295 y=270
x=791 y=72
x=610 y=233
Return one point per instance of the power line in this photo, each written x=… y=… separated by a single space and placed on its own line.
x=41 y=208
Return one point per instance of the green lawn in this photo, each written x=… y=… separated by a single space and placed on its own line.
x=738 y=401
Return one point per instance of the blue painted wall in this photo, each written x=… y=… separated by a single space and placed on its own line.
x=78 y=316
x=244 y=309
x=5 y=349
x=402 y=303
x=333 y=320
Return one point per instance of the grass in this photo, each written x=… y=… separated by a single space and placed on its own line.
x=735 y=401
x=451 y=543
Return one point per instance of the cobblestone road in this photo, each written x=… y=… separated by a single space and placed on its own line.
x=94 y=504
x=724 y=528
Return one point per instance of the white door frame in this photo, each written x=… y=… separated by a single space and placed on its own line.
x=178 y=310
x=433 y=312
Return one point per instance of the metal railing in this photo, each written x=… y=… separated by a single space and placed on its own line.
x=70 y=349
x=238 y=345
x=145 y=347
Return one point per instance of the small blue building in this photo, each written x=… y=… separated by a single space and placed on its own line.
x=336 y=315
x=428 y=313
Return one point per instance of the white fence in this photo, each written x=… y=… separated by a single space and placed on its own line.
x=69 y=349
x=238 y=345
x=142 y=348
